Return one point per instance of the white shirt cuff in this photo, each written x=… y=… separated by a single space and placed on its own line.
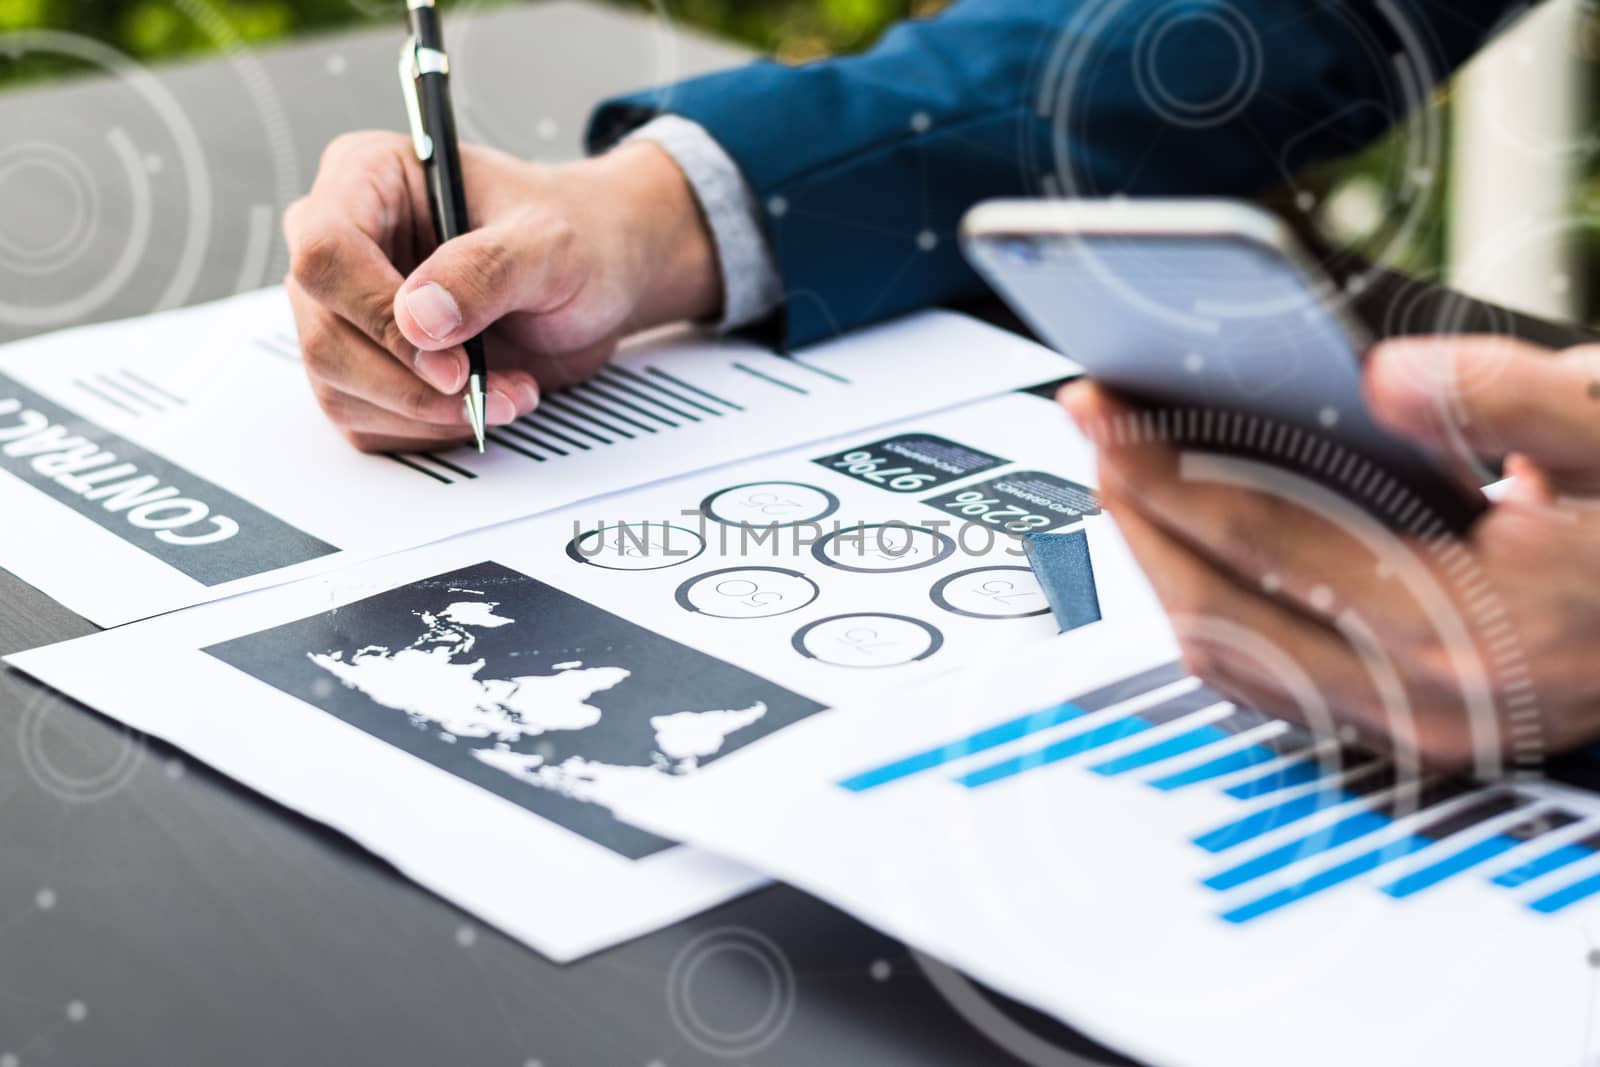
x=751 y=284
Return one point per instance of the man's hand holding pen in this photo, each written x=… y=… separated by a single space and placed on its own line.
x=562 y=262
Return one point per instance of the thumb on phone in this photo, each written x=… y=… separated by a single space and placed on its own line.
x=1497 y=396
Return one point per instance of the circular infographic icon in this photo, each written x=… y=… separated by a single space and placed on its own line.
x=991 y=593
x=868 y=639
x=769 y=504
x=884 y=548
x=747 y=593
x=636 y=546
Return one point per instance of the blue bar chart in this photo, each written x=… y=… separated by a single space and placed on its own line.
x=1362 y=819
x=1479 y=853
x=1547 y=862
x=1018 y=728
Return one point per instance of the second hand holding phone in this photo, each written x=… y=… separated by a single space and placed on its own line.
x=1210 y=308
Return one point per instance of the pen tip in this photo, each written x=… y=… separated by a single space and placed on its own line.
x=475 y=414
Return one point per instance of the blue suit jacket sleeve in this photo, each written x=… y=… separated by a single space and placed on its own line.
x=864 y=165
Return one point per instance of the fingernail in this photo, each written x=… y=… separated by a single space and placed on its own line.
x=527 y=395
x=499 y=409
x=435 y=310
x=1070 y=396
x=445 y=371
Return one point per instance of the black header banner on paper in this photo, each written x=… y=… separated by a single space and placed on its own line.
x=1021 y=502
x=153 y=504
x=911 y=462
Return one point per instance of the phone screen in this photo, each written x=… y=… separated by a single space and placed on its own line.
x=1218 y=325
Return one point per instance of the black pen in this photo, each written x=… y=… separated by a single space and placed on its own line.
x=425 y=80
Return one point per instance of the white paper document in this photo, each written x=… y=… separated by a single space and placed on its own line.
x=1087 y=829
x=166 y=461
x=470 y=710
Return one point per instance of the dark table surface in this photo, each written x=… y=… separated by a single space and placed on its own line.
x=152 y=912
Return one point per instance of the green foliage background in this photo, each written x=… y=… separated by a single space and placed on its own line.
x=157 y=29
x=793 y=30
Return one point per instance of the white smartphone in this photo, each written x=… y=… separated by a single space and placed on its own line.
x=1209 y=309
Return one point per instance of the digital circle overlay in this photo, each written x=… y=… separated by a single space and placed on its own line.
x=109 y=182
x=1372 y=221
x=868 y=640
x=41 y=756
x=747 y=593
x=1158 y=49
x=637 y=546
x=991 y=593
x=768 y=504
x=763 y=972
x=884 y=548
